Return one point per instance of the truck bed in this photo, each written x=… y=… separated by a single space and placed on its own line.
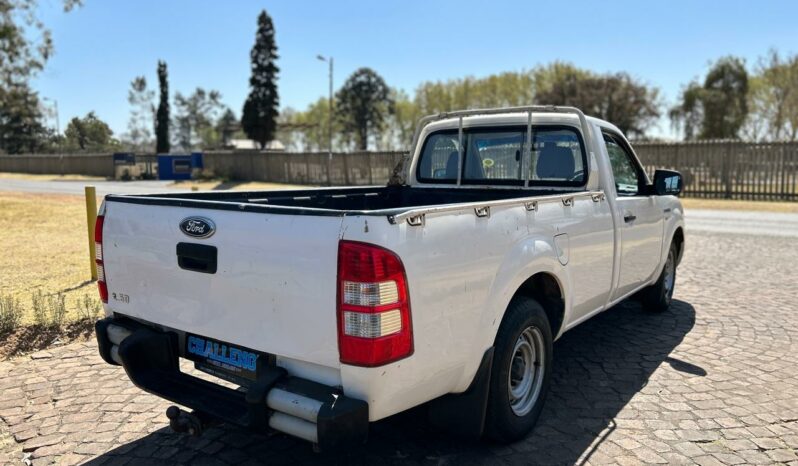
x=375 y=200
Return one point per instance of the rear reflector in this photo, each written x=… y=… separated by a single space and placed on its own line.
x=374 y=325
x=98 y=258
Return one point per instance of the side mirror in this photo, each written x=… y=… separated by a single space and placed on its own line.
x=667 y=182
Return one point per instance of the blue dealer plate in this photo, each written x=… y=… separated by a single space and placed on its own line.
x=229 y=362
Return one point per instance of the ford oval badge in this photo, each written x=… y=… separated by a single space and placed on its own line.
x=197 y=227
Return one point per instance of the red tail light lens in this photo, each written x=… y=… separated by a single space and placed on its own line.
x=374 y=325
x=98 y=258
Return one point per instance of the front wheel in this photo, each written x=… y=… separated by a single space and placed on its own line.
x=521 y=371
x=658 y=297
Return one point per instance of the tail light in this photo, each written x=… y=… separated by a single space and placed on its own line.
x=374 y=326
x=98 y=258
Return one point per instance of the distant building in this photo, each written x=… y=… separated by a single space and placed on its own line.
x=249 y=144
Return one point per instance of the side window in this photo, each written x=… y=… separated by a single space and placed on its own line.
x=627 y=178
x=440 y=159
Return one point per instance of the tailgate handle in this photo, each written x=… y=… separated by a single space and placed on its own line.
x=196 y=257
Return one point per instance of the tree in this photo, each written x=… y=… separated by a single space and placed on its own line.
x=195 y=118
x=632 y=106
x=142 y=114
x=773 y=99
x=89 y=134
x=162 y=115
x=718 y=109
x=25 y=46
x=259 y=117
x=363 y=105
x=21 y=129
x=226 y=127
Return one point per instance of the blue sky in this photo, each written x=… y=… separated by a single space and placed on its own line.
x=102 y=46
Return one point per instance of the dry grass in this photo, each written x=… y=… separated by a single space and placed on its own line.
x=724 y=204
x=44 y=248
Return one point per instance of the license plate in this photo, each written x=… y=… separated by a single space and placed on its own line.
x=229 y=362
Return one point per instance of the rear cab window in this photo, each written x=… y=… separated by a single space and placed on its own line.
x=494 y=156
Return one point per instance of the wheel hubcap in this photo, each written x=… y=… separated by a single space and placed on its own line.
x=670 y=276
x=526 y=371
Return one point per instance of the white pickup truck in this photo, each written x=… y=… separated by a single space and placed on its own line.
x=327 y=309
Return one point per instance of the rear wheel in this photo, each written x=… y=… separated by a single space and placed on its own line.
x=658 y=297
x=521 y=371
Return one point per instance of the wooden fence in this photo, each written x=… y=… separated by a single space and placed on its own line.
x=729 y=169
x=711 y=169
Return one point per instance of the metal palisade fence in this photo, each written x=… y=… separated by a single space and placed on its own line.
x=729 y=169
x=711 y=169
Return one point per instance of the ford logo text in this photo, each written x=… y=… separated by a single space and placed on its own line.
x=197 y=227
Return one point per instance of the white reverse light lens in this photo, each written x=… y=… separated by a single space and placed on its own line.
x=363 y=325
x=98 y=251
x=370 y=294
x=100 y=273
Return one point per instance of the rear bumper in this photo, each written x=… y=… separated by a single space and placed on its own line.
x=299 y=407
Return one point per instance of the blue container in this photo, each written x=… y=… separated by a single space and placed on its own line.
x=178 y=166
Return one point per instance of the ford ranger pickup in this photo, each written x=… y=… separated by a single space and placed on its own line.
x=315 y=312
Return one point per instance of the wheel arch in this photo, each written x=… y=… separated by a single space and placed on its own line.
x=546 y=289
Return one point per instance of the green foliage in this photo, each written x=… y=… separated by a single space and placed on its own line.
x=89 y=134
x=162 y=144
x=773 y=99
x=21 y=130
x=195 y=119
x=718 y=108
x=226 y=127
x=259 y=116
x=362 y=105
x=10 y=314
x=142 y=114
x=88 y=308
x=48 y=311
x=25 y=46
x=618 y=98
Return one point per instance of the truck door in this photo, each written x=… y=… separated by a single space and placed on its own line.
x=641 y=219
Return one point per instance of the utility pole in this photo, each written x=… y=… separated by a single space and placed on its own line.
x=329 y=120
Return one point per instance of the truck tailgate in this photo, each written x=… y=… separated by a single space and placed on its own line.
x=274 y=288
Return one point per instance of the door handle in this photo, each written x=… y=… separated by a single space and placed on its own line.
x=196 y=257
x=629 y=218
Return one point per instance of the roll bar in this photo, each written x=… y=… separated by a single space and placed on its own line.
x=529 y=109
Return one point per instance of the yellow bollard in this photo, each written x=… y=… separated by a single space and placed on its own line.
x=91 y=218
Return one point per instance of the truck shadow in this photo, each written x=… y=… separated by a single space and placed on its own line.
x=599 y=366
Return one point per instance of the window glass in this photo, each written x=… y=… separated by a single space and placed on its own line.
x=627 y=180
x=556 y=156
x=439 y=161
x=496 y=156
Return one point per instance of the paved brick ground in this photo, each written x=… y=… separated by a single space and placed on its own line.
x=715 y=380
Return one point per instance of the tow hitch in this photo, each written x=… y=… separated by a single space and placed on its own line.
x=183 y=422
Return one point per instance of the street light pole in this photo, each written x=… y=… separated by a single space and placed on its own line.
x=329 y=120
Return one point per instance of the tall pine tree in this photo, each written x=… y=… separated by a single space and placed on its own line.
x=162 y=116
x=259 y=117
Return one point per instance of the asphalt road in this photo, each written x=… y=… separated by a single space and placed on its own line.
x=743 y=222
x=76 y=186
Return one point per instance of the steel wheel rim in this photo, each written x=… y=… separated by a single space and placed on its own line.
x=527 y=364
x=670 y=276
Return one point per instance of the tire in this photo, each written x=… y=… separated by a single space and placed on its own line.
x=517 y=388
x=658 y=297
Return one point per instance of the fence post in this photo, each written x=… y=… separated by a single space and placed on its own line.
x=725 y=168
x=91 y=219
x=371 y=172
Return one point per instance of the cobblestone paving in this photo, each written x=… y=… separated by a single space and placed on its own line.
x=715 y=380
